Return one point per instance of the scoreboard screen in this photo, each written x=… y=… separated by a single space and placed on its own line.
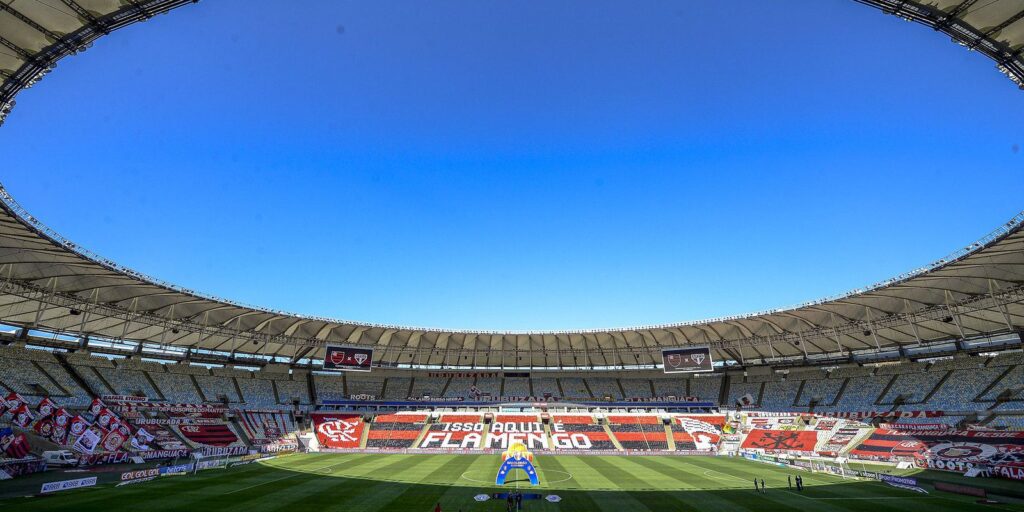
x=353 y=359
x=687 y=360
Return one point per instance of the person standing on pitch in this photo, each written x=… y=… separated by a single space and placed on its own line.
x=762 y=486
x=755 y=485
x=789 y=481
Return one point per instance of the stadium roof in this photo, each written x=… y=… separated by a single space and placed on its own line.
x=49 y=283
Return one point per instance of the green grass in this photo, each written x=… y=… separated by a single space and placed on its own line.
x=370 y=482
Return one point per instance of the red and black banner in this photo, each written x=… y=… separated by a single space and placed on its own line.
x=357 y=359
x=338 y=430
x=209 y=435
x=781 y=440
x=944 y=448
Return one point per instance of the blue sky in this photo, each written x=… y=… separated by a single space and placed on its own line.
x=520 y=165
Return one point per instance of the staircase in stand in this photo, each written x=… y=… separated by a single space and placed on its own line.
x=74 y=374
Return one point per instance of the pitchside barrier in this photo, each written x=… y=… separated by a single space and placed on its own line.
x=492 y=451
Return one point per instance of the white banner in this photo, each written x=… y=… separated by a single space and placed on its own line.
x=68 y=484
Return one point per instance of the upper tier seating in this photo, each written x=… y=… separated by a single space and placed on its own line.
x=176 y=387
x=489 y=386
x=574 y=388
x=214 y=387
x=428 y=386
x=397 y=388
x=707 y=389
x=257 y=392
x=738 y=389
x=636 y=388
x=542 y=385
x=779 y=395
x=602 y=387
x=365 y=385
x=517 y=386
x=289 y=390
x=329 y=386
x=669 y=386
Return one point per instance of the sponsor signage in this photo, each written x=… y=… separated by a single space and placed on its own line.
x=177 y=469
x=140 y=474
x=65 y=485
x=348 y=358
x=687 y=360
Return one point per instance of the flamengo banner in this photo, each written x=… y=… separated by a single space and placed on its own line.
x=338 y=430
x=68 y=484
x=687 y=360
x=348 y=358
x=105 y=458
x=209 y=435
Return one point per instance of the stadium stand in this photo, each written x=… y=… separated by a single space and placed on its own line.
x=738 y=390
x=575 y=388
x=362 y=384
x=265 y=426
x=397 y=388
x=959 y=389
x=910 y=383
x=395 y=430
x=295 y=389
x=779 y=395
x=218 y=389
x=821 y=391
x=669 y=386
x=602 y=387
x=545 y=386
x=428 y=386
x=459 y=387
x=257 y=391
x=176 y=387
x=129 y=382
x=329 y=386
x=517 y=386
x=636 y=388
x=706 y=388
x=583 y=426
x=640 y=432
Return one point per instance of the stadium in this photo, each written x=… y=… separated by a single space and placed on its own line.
x=121 y=390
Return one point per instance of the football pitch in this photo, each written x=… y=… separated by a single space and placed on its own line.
x=371 y=482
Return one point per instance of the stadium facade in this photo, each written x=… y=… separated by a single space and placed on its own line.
x=912 y=369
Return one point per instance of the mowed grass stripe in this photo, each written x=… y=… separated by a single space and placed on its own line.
x=417 y=482
x=424 y=497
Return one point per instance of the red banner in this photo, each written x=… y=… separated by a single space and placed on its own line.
x=209 y=435
x=15 y=446
x=777 y=441
x=46 y=407
x=21 y=416
x=338 y=430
